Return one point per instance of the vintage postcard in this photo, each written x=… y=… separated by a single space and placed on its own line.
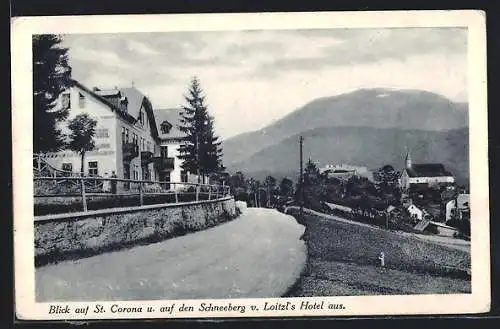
x=250 y=165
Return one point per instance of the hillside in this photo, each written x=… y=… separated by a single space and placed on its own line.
x=366 y=146
x=377 y=108
x=343 y=261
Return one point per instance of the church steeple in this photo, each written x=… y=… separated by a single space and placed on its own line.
x=408 y=159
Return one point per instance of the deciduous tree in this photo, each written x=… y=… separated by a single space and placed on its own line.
x=82 y=129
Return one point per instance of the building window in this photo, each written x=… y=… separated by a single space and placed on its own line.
x=136 y=172
x=66 y=101
x=124 y=135
x=134 y=139
x=102 y=133
x=149 y=146
x=67 y=167
x=81 y=100
x=145 y=173
x=93 y=171
x=184 y=176
x=164 y=151
x=141 y=117
x=165 y=127
x=142 y=144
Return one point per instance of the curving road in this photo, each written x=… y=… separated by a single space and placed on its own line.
x=259 y=254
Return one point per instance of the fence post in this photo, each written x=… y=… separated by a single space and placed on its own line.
x=84 y=198
x=197 y=192
x=175 y=193
x=209 y=192
x=141 y=195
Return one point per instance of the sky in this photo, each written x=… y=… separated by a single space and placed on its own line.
x=252 y=78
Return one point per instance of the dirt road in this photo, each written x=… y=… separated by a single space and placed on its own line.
x=256 y=255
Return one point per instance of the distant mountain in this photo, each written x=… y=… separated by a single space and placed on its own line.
x=365 y=146
x=377 y=108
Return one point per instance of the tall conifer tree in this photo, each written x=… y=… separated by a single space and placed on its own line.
x=201 y=151
x=51 y=76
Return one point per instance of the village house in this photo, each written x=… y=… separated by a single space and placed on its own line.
x=415 y=212
x=131 y=140
x=170 y=137
x=443 y=229
x=459 y=205
x=345 y=171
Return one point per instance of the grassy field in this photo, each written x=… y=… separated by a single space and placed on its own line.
x=343 y=260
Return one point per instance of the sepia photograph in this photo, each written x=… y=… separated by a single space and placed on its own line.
x=252 y=169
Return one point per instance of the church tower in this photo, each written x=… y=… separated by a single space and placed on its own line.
x=408 y=159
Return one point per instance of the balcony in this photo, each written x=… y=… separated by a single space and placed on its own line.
x=162 y=163
x=146 y=158
x=130 y=151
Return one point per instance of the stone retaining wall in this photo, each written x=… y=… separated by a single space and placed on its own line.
x=77 y=235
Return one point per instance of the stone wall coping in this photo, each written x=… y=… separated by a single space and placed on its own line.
x=81 y=214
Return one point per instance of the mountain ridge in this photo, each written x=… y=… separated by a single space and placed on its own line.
x=364 y=146
x=370 y=107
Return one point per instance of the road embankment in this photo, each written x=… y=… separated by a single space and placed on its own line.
x=76 y=235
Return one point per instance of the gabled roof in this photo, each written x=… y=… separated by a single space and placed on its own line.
x=172 y=116
x=135 y=99
x=105 y=101
x=427 y=170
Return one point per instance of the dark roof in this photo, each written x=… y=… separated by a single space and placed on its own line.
x=172 y=116
x=135 y=99
x=427 y=170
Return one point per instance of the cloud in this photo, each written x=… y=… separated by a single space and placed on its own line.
x=140 y=48
x=372 y=45
x=254 y=77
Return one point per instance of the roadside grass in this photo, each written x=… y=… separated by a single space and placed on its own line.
x=343 y=260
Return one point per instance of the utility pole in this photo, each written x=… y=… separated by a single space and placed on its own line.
x=268 y=197
x=301 y=180
x=197 y=158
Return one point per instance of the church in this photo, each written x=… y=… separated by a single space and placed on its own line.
x=423 y=174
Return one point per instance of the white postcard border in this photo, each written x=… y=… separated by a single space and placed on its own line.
x=22 y=29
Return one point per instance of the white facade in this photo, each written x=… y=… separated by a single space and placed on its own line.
x=415 y=212
x=121 y=126
x=113 y=130
x=106 y=138
x=460 y=204
x=406 y=181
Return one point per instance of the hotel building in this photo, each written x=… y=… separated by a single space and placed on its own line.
x=132 y=140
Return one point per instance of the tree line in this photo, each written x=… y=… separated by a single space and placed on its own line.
x=355 y=191
x=269 y=193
